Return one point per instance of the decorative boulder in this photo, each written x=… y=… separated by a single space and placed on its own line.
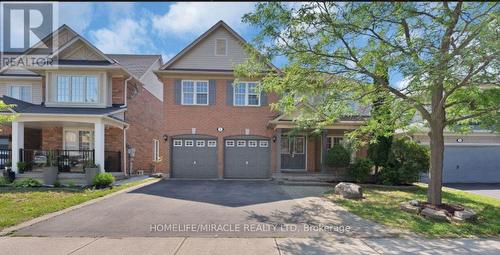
x=156 y=175
x=348 y=190
x=464 y=215
x=435 y=214
x=410 y=207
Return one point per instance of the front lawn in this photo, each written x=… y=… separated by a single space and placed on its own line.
x=382 y=205
x=21 y=204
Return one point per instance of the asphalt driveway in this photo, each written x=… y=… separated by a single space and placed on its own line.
x=211 y=208
x=487 y=189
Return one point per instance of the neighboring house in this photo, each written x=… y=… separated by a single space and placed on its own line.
x=217 y=129
x=90 y=106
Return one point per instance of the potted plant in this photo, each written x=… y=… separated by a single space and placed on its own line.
x=22 y=166
x=8 y=174
x=91 y=170
x=50 y=170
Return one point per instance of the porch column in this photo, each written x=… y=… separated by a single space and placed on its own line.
x=324 y=149
x=17 y=143
x=278 y=150
x=99 y=144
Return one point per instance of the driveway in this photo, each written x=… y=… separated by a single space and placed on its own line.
x=487 y=189
x=211 y=209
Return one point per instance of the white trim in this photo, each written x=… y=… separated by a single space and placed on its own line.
x=156 y=150
x=254 y=142
x=215 y=48
x=177 y=143
x=328 y=137
x=189 y=143
x=211 y=143
x=78 y=129
x=10 y=86
x=200 y=143
x=230 y=143
x=241 y=143
x=247 y=94
x=195 y=84
x=70 y=88
x=264 y=144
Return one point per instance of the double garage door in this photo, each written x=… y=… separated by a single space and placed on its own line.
x=471 y=164
x=245 y=157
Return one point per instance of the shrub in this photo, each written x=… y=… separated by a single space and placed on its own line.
x=102 y=180
x=23 y=166
x=338 y=156
x=378 y=152
x=9 y=175
x=4 y=182
x=407 y=160
x=57 y=184
x=26 y=183
x=361 y=169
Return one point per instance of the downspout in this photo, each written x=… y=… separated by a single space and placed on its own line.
x=125 y=152
x=125 y=85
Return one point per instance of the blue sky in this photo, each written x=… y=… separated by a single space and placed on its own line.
x=150 y=28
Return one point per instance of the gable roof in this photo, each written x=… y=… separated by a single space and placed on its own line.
x=138 y=65
x=203 y=36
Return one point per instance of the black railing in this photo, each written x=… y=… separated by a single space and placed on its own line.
x=66 y=160
x=113 y=161
x=5 y=156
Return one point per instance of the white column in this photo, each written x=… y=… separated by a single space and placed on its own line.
x=17 y=143
x=99 y=144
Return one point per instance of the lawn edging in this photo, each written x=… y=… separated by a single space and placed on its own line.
x=10 y=230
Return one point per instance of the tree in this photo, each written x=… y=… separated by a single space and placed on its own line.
x=442 y=60
x=5 y=118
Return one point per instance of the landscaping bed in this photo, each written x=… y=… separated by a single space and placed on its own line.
x=381 y=204
x=21 y=204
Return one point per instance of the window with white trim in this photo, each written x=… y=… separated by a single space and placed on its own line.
x=220 y=47
x=177 y=143
x=200 y=143
x=246 y=94
x=194 y=92
x=189 y=143
x=334 y=140
x=263 y=144
x=77 y=88
x=21 y=92
x=241 y=143
x=229 y=143
x=252 y=143
x=156 y=150
x=212 y=143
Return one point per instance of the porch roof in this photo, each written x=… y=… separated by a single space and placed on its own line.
x=25 y=107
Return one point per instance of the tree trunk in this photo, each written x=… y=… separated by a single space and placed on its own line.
x=436 y=164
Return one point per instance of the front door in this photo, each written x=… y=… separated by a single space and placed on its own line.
x=293 y=153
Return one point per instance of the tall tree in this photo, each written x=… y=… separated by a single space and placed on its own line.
x=442 y=60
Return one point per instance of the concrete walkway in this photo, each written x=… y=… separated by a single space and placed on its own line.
x=243 y=246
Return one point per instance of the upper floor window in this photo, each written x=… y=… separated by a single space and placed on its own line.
x=21 y=92
x=221 y=47
x=194 y=92
x=246 y=94
x=77 y=88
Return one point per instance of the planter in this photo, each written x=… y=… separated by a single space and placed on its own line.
x=9 y=175
x=90 y=173
x=50 y=175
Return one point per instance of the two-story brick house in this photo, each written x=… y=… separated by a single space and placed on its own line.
x=88 y=105
x=218 y=129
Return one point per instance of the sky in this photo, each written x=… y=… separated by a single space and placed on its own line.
x=151 y=28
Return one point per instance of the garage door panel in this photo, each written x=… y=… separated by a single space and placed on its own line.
x=247 y=162
x=194 y=161
x=471 y=164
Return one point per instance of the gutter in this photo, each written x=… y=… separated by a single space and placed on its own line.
x=125 y=84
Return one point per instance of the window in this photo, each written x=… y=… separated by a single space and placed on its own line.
x=241 y=143
x=156 y=150
x=212 y=143
x=195 y=92
x=220 y=47
x=200 y=143
x=177 y=143
x=252 y=143
x=264 y=144
x=246 y=94
x=21 y=92
x=229 y=143
x=78 y=139
x=189 y=143
x=299 y=145
x=334 y=140
x=285 y=145
x=86 y=139
x=77 y=88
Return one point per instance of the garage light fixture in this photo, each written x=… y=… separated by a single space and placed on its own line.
x=274 y=138
x=165 y=137
x=460 y=140
x=220 y=129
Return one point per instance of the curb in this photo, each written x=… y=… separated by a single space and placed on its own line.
x=45 y=217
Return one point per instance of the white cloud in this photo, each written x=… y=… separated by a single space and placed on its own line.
x=188 y=18
x=124 y=36
x=76 y=15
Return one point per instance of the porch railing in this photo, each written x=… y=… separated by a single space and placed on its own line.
x=66 y=160
x=5 y=156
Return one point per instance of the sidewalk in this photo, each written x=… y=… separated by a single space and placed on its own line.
x=243 y=246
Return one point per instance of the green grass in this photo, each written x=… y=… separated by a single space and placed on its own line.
x=382 y=205
x=21 y=204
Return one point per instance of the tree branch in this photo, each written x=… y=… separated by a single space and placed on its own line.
x=470 y=116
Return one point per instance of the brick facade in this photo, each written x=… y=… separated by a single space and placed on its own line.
x=118 y=94
x=52 y=138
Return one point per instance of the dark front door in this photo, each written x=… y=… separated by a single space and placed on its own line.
x=293 y=153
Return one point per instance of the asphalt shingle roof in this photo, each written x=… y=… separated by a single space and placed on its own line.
x=135 y=64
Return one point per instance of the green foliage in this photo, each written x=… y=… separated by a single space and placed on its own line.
x=338 y=156
x=23 y=166
x=26 y=183
x=378 y=152
x=8 y=163
x=90 y=164
x=407 y=160
x=9 y=175
x=4 y=182
x=57 y=184
x=102 y=180
x=51 y=159
x=361 y=169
